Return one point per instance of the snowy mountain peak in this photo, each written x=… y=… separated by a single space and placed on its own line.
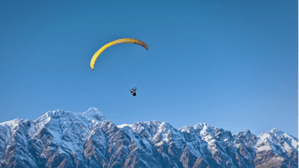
x=165 y=125
x=54 y=114
x=12 y=125
x=273 y=133
x=276 y=131
x=185 y=128
x=94 y=114
x=205 y=127
x=124 y=125
x=11 y=122
x=244 y=133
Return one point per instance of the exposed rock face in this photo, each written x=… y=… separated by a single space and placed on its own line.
x=65 y=139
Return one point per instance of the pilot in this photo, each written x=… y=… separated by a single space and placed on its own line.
x=133 y=91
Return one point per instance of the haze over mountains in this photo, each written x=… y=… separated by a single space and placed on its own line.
x=66 y=139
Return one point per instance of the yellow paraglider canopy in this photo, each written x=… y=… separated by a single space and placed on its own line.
x=123 y=40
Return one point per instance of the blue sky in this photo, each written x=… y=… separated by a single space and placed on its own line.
x=231 y=64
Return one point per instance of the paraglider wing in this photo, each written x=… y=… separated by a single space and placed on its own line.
x=123 y=40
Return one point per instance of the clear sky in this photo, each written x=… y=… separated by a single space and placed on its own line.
x=231 y=64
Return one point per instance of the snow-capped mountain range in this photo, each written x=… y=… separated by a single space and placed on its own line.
x=66 y=139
